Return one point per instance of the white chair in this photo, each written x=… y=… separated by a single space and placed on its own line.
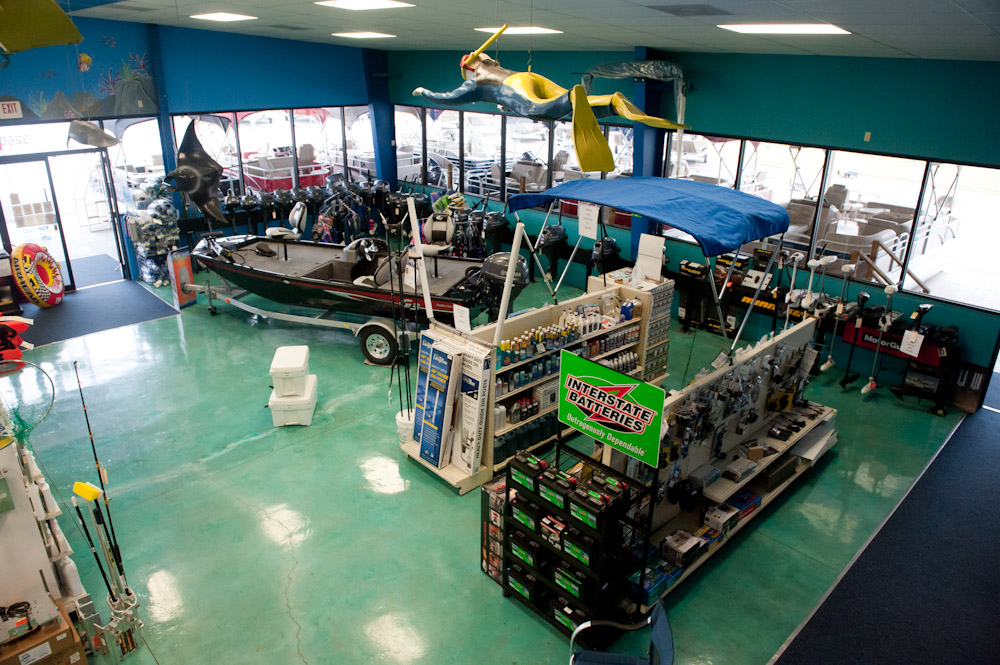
x=296 y=224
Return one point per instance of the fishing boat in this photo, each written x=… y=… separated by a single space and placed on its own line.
x=361 y=277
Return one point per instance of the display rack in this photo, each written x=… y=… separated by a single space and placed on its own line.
x=706 y=429
x=562 y=581
x=495 y=453
x=657 y=300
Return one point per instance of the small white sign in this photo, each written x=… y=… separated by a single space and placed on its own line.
x=912 y=341
x=10 y=110
x=462 y=321
x=587 y=213
x=721 y=360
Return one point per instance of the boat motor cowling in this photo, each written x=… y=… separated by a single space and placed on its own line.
x=605 y=255
x=491 y=280
x=496 y=226
x=552 y=241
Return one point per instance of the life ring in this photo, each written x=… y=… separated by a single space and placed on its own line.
x=37 y=275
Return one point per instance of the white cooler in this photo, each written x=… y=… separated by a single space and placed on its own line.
x=294 y=410
x=289 y=369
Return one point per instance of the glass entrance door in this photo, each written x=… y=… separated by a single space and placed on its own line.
x=31 y=213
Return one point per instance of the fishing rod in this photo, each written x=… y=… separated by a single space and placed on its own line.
x=93 y=550
x=100 y=470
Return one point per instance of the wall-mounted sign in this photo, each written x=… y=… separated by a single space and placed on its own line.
x=609 y=406
x=10 y=110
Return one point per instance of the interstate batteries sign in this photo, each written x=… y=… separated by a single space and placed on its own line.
x=611 y=407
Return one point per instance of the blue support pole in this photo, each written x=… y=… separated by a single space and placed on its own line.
x=380 y=110
x=647 y=145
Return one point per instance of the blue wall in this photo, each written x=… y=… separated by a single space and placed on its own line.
x=37 y=76
x=937 y=109
x=219 y=71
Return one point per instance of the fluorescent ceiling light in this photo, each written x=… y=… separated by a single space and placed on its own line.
x=786 y=29
x=224 y=17
x=358 y=5
x=362 y=35
x=523 y=30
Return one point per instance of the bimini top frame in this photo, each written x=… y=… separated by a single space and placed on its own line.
x=720 y=219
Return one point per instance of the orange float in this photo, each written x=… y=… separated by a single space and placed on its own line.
x=37 y=275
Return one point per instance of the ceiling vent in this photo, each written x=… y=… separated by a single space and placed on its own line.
x=692 y=10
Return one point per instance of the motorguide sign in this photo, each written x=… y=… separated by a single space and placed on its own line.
x=611 y=407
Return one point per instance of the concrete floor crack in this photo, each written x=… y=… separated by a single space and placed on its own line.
x=288 y=585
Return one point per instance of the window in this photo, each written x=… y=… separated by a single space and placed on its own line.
x=319 y=144
x=527 y=155
x=565 y=165
x=137 y=160
x=868 y=210
x=360 y=143
x=482 y=154
x=956 y=236
x=409 y=142
x=443 y=148
x=710 y=159
x=215 y=132
x=268 y=153
x=620 y=140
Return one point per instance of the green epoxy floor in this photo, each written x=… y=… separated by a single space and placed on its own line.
x=324 y=544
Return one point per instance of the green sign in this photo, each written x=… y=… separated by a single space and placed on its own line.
x=611 y=407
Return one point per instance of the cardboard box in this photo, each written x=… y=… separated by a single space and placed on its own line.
x=44 y=646
x=722 y=518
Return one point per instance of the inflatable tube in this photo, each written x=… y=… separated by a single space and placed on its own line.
x=37 y=275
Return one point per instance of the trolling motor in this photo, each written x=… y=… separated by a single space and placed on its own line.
x=489 y=280
x=841 y=312
x=884 y=323
x=552 y=242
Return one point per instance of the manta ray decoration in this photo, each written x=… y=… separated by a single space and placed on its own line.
x=88 y=133
x=534 y=96
x=197 y=175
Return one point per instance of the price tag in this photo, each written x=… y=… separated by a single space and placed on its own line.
x=462 y=321
x=587 y=214
x=721 y=360
x=912 y=341
x=857 y=325
x=840 y=309
x=731 y=321
x=681 y=312
x=539 y=348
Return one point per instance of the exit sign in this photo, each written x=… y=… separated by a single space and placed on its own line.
x=10 y=110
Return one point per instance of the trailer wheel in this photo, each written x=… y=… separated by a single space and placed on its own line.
x=378 y=345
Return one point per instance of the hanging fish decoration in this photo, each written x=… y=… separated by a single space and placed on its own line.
x=88 y=133
x=83 y=62
x=197 y=175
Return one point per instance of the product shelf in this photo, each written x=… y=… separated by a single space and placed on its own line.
x=451 y=474
x=687 y=521
x=548 y=377
x=552 y=586
x=569 y=431
x=565 y=558
x=723 y=488
x=508 y=428
x=612 y=352
x=575 y=342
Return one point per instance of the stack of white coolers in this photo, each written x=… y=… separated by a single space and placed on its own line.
x=293 y=399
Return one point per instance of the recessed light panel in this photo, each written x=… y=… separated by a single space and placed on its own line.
x=786 y=29
x=360 y=5
x=223 y=17
x=523 y=30
x=362 y=35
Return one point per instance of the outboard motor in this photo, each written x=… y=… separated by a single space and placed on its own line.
x=490 y=279
x=268 y=207
x=299 y=195
x=552 y=242
x=250 y=201
x=316 y=194
x=382 y=191
x=495 y=225
x=605 y=255
x=336 y=183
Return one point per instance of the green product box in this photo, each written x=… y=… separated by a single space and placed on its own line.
x=520 y=588
x=522 y=554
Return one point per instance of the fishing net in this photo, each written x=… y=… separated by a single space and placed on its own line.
x=27 y=394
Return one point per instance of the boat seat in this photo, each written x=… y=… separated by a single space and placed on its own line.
x=381 y=276
x=296 y=225
x=438 y=231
